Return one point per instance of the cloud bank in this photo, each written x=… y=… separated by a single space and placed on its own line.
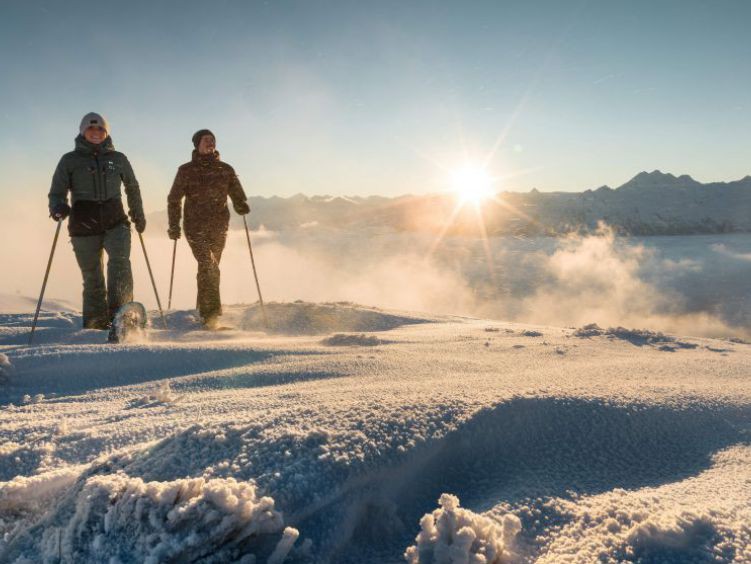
x=684 y=285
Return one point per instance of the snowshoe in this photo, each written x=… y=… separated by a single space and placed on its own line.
x=129 y=322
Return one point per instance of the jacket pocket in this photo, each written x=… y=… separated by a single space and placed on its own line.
x=111 y=171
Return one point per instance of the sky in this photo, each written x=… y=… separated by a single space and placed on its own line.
x=387 y=98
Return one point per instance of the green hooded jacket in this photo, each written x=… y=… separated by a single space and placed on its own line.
x=94 y=174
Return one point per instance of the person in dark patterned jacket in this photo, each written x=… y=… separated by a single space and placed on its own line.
x=204 y=183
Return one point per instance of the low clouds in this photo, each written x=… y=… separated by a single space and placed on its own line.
x=683 y=285
x=597 y=279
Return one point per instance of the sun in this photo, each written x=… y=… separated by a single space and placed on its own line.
x=472 y=184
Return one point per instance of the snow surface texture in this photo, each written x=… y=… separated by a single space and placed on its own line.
x=332 y=435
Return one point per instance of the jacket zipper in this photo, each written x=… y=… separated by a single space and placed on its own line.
x=98 y=177
x=100 y=195
x=93 y=183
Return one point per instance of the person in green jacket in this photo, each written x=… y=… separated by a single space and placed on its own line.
x=92 y=174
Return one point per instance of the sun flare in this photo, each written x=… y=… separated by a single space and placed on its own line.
x=472 y=184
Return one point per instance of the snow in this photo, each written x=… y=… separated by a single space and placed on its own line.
x=703 y=519
x=10 y=303
x=6 y=368
x=331 y=435
x=116 y=517
x=453 y=534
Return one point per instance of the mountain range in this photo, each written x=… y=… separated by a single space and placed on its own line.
x=651 y=203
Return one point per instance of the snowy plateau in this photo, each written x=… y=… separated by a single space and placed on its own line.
x=344 y=433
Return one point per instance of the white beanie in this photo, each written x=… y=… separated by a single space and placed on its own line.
x=93 y=119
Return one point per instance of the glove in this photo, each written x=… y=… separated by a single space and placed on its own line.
x=140 y=223
x=241 y=207
x=60 y=211
x=174 y=233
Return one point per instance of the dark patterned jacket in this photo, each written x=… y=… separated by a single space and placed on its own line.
x=204 y=182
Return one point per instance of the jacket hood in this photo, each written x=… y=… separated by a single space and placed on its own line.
x=89 y=148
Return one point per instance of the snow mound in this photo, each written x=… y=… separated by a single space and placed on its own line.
x=345 y=340
x=656 y=524
x=118 y=518
x=302 y=318
x=453 y=534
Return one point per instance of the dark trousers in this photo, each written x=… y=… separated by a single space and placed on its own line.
x=207 y=247
x=100 y=301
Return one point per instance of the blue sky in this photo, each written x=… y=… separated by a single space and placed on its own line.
x=360 y=98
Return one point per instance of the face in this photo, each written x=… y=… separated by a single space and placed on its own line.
x=95 y=134
x=207 y=144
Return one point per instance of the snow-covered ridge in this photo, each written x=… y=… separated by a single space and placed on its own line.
x=374 y=436
x=651 y=203
x=12 y=304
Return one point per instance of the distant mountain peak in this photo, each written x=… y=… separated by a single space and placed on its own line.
x=659 y=179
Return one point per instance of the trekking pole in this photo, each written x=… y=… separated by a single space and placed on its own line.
x=172 y=276
x=151 y=275
x=44 y=284
x=255 y=274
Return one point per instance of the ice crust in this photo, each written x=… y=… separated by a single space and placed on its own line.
x=117 y=518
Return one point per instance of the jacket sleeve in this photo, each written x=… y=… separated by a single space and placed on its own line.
x=236 y=192
x=132 y=191
x=60 y=185
x=175 y=200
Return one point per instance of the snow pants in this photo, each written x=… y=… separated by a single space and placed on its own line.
x=207 y=247
x=100 y=301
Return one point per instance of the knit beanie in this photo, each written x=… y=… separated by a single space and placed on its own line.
x=93 y=119
x=200 y=133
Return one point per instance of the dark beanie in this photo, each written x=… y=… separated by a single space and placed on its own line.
x=200 y=133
